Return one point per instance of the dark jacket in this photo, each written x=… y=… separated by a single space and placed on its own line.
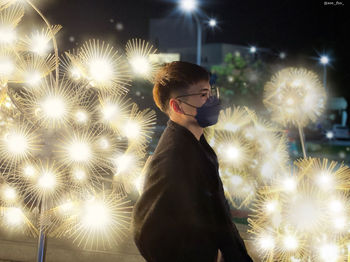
x=182 y=214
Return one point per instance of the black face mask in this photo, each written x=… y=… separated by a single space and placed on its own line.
x=208 y=113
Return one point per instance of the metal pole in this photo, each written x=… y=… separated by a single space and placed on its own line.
x=199 y=39
x=42 y=237
x=41 y=246
x=302 y=140
x=325 y=77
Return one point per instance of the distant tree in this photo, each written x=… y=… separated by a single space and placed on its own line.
x=241 y=80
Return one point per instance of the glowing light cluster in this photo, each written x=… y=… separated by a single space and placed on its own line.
x=138 y=53
x=251 y=153
x=98 y=220
x=100 y=65
x=295 y=96
x=66 y=136
x=299 y=217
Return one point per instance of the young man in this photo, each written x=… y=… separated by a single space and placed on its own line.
x=182 y=215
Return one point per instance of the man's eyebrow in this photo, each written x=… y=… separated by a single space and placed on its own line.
x=204 y=89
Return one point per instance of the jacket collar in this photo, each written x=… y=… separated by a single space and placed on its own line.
x=199 y=144
x=177 y=127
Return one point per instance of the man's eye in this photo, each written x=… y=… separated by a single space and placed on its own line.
x=203 y=95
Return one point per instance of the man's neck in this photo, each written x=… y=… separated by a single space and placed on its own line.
x=196 y=130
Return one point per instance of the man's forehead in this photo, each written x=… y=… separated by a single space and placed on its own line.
x=200 y=87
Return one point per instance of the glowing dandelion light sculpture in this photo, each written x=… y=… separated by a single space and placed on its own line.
x=139 y=55
x=295 y=96
x=251 y=153
x=98 y=220
x=101 y=66
x=304 y=216
x=71 y=144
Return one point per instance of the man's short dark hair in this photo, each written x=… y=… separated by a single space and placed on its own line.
x=173 y=79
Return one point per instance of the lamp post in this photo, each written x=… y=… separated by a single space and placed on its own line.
x=190 y=6
x=253 y=51
x=324 y=60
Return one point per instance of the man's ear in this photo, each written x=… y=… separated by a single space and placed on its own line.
x=174 y=105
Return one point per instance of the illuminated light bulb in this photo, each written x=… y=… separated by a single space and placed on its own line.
x=79 y=174
x=66 y=207
x=140 y=65
x=212 y=22
x=231 y=127
x=96 y=215
x=6 y=67
x=296 y=83
x=267 y=242
x=54 y=107
x=75 y=73
x=47 y=180
x=290 y=243
x=236 y=180
x=100 y=70
x=232 y=152
x=40 y=45
x=79 y=151
x=248 y=189
x=325 y=181
x=329 y=135
x=336 y=206
x=252 y=49
x=123 y=162
x=81 y=116
x=8 y=104
x=282 y=55
x=16 y=143
x=104 y=144
x=324 y=60
x=289 y=184
x=14 y=216
x=29 y=171
x=305 y=213
x=109 y=111
x=132 y=129
x=7 y=35
x=329 y=252
x=188 y=5
x=9 y=193
x=271 y=206
x=230 y=79
x=267 y=170
x=33 y=78
x=339 y=222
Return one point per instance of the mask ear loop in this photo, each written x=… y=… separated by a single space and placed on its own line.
x=186 y=104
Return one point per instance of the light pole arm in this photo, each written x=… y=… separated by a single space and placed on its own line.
x=199 y=38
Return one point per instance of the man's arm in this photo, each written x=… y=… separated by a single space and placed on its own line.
x=230 y=242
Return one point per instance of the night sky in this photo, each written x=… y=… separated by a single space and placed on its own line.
x=302 y=29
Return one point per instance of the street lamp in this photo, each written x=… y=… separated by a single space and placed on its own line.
x=324 y=60
x=252 y=49
x=330 y=135
x=188 y=5
x=283 y=55
x=212 y=22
